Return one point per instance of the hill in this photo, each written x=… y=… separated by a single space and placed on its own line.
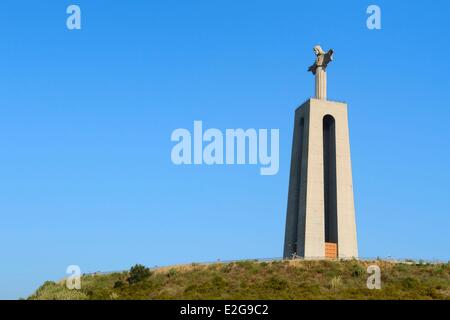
x=288 y=279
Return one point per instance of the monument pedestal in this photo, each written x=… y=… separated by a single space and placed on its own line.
x=320 y=219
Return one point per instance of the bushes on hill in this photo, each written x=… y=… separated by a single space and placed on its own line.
x=138 y=273
x=261 y=280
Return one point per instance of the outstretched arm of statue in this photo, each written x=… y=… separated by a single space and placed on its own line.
x=328 y=57
x=313 y=68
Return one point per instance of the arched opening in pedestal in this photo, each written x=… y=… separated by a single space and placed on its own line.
x=295 y=245
x=330 y=188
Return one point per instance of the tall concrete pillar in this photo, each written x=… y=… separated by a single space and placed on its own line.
x=321 y=84
x=320 y=220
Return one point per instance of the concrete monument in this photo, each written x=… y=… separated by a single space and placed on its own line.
x=320 y=221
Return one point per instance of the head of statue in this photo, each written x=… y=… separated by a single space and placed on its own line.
x=318 y=50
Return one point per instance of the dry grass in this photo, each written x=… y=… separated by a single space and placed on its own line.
x=288 y=279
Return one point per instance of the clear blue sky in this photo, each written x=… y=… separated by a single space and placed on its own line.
x=86 y=118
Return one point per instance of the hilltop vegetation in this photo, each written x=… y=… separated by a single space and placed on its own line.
x=290 y=279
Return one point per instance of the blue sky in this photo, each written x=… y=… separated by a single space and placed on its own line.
x=86 y=118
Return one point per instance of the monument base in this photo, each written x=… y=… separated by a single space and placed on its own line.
x=320 y=202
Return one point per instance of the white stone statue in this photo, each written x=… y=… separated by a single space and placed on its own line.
x=322 y=59
x=319 y=70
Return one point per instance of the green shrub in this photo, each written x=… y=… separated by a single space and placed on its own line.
x=218 y=282
x=172 y=272
x=410 y=283
x=276 y=283
x=119 y=284
x=138 y=273
x=357 y=270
